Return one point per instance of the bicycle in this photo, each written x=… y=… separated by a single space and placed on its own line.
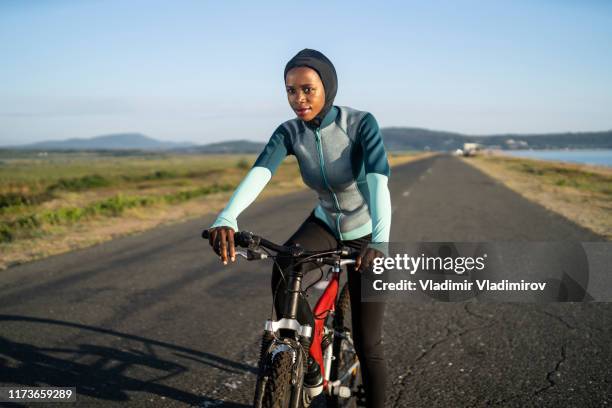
x=286 y=343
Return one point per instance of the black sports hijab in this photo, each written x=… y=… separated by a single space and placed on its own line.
x=320 y=63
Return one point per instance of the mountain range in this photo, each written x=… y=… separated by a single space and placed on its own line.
x=395 y=139
x=117 y=141
x=402 y=138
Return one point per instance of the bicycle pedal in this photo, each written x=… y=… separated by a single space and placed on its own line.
x=343 y=391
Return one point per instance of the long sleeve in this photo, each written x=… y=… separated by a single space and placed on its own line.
x=254 y=182
x=246 y=192
x=377 y=175
x=380 y=207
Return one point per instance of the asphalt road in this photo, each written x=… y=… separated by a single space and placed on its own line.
x=154 y=320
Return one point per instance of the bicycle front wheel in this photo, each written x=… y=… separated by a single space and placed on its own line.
x=344 y=367
x=277 y=392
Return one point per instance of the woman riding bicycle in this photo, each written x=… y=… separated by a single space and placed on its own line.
x=342 y=157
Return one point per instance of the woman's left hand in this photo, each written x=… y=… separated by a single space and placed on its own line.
x=365 y=259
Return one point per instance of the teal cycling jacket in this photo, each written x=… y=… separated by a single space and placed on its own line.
x=343 y=160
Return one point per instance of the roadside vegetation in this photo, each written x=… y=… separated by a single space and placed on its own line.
x=581 y=193
x=55 y=202
x=38 y=194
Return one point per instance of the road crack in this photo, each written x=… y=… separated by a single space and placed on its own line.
x=551 y=374
x=559 y=318
x=448 y=335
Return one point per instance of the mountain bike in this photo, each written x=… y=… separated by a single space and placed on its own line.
x=286 y=344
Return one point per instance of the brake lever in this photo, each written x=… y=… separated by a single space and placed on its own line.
x=253 y=255
x=250 y=254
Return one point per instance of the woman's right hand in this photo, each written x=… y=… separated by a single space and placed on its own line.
x=221 y=239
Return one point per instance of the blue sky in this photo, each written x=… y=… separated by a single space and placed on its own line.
x=210 y=71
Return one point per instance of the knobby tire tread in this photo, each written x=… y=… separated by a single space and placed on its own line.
x=278 y=388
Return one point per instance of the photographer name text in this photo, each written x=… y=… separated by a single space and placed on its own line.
x=450 y=285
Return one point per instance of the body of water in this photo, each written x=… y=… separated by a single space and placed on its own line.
x=598 y=157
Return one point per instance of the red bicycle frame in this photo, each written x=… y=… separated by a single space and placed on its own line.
x=325 y=305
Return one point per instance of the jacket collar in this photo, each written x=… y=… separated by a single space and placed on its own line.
x=330 y=117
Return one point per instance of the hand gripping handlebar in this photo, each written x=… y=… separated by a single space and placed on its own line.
x=249 y=240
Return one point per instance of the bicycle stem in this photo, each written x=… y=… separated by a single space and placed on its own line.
x=294 y=289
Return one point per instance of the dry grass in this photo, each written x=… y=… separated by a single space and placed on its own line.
x=396 y=159
x=188 y=171
x=581 y=193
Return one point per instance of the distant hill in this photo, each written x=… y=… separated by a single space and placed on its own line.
x=395 y=138
x=233 y=146
x=423 y=139
x=119 y=141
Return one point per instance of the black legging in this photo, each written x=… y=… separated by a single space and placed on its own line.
x=367 y=317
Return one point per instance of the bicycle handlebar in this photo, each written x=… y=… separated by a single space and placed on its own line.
x=251 y=241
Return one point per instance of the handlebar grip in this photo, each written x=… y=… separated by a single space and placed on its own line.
x=206 y=234
x=245 y=239
x=241 y=238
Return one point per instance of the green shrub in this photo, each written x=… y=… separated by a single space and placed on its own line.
x=6 y=235
x=80 y=183
x=28 y=222
x=31 y=225
x=243 y=164
x=164 y=174
x=12 y=199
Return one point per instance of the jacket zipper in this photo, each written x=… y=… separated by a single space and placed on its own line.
x=322 y=163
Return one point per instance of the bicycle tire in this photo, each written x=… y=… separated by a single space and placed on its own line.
x=277 y=392
x=343 y=358
x=343 y=309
